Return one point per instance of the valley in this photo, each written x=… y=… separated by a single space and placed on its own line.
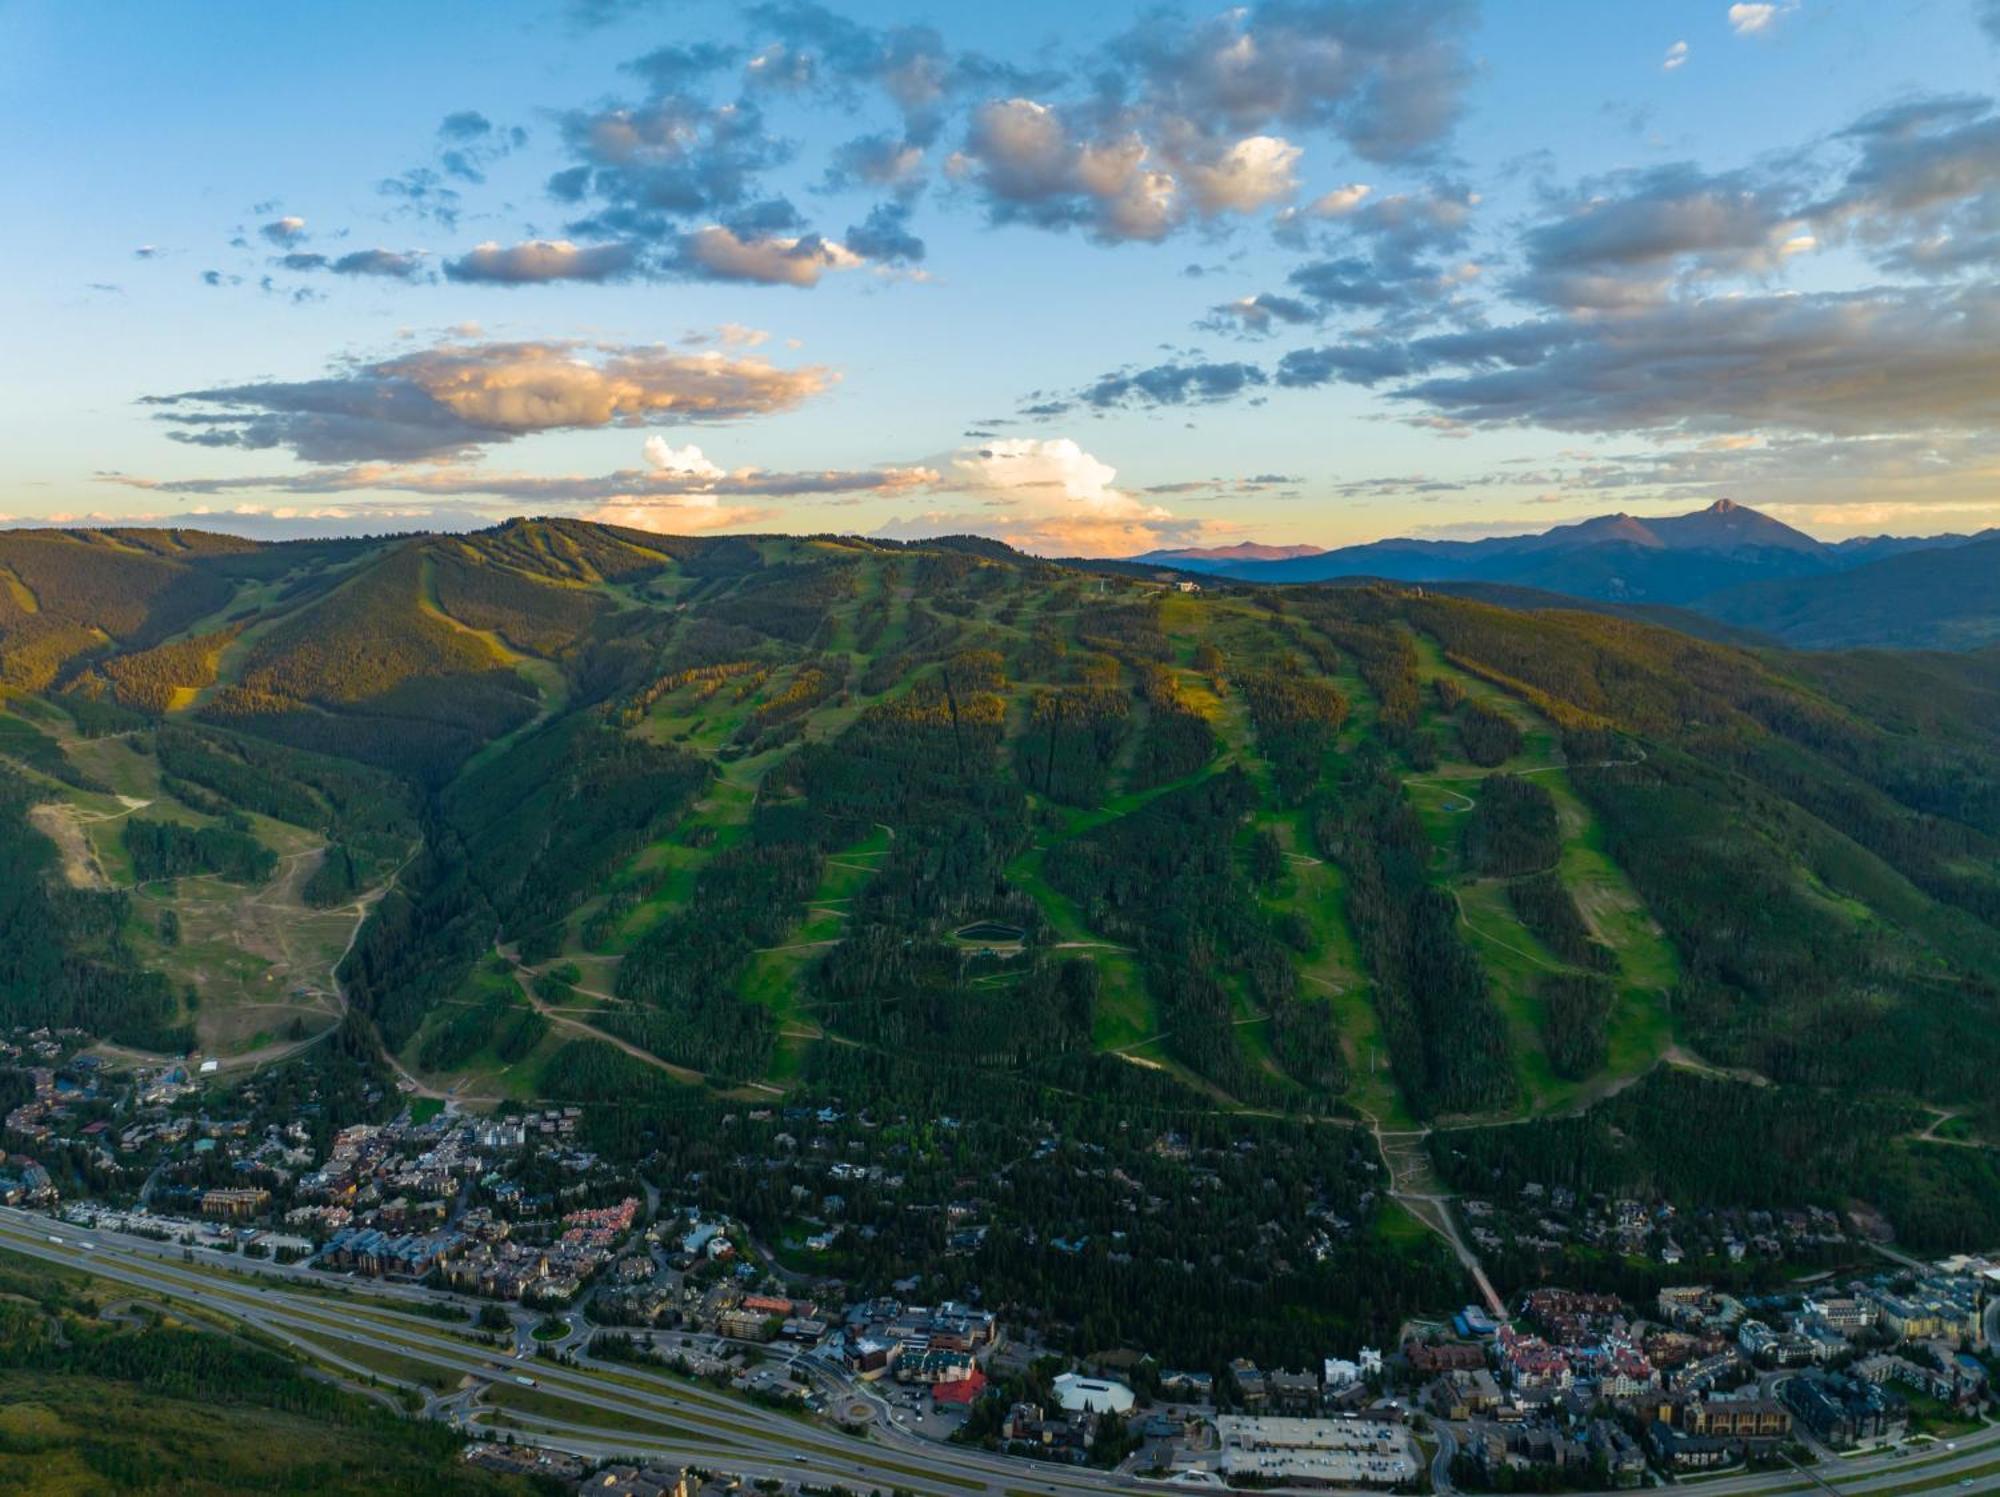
x=659 y=829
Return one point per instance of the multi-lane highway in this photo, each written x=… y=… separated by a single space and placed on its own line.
x=602 y=1409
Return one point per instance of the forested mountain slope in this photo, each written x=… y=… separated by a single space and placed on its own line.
x=749 y=814
x=1941 y=599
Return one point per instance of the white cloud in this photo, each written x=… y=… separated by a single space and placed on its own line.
x=535 y=261
x=1340 y=202
x=1031 y=467
x=1039 y=165
x=1050 y=496
x=1677 y=54
x=1754 y=18
x=772 y=261
x=680 y=462
x=1253 y=172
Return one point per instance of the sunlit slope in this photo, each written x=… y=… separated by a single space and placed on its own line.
x=764 y=808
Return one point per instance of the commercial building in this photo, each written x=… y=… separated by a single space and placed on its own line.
x=1315 y=1452
x=1093 y=1395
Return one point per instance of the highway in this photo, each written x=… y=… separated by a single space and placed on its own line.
x=604 y=1409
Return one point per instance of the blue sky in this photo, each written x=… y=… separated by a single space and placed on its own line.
x=1307 y=271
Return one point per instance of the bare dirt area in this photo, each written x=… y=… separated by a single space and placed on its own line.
x=57 y=821
x=260 y=960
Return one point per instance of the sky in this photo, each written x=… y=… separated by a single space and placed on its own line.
x=1094 y=280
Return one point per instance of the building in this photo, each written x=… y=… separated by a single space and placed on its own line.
x=1292 y=1392
x=1028 y=1431
x=741 y=1323
x=1845 y=1314
x=367 y=1250
x=235 y=1205
x=960 y=1392
x=1845 y=1411
x=1935 y=1307
x=933 y=1365
x=1735 y=1419
x=1196 y=1387
x=1092 y=1395
x=1315 y=1452
x=1474 y=1322
x=1679 y=1451
x=1443 y=1356
x=640 y=1481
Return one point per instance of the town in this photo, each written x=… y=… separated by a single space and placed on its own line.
x=514 y=1222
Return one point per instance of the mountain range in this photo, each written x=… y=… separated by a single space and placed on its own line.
x=662 y=825
x=1728 y=562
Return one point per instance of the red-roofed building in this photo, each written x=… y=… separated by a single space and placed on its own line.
x=960 y=1393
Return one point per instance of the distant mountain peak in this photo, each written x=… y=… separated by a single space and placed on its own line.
x=1241 y=551
x=1723 y=507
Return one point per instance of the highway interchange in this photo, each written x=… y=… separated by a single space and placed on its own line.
x=603 y=1409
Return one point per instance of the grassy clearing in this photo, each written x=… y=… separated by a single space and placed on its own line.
x=776 y=978
x=1395 y=1225
x=484 y=1076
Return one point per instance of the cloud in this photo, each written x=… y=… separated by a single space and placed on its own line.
x=1620 y=241
x=1832 y=363
x=679 y=462
x=882 y=161
x=1337 y=203
x=1677 y=56
x=1046 y=495
x=398 y=265
x=1838 y=482
x=1987 y=13
x=714 y=252
x=423 y=193
x=1352 y=364
x=146 y=252
x=692 y=516
x=1042 y=468
x=1396 y=257
x=537 y=261
x=719 y=253
x=810 y=47
x=648 y=167
x=455 y=398
x=284 y=231
x=1183 y=120
x=884 y=236
x=1251 y=174
x=1032 y=168
x=1388 y=78
x=1258 y=314
x=1758 y=19
x=678 y=490
x=465 y=126
x=1173 y=384
x=588 y=15
x=1923 y=191
x=677 y=68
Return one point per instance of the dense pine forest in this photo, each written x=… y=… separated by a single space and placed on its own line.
x=659 y=825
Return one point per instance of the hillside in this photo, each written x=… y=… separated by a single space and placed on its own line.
x=1944 y=599
x=1727 y=561
x=749 y=816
